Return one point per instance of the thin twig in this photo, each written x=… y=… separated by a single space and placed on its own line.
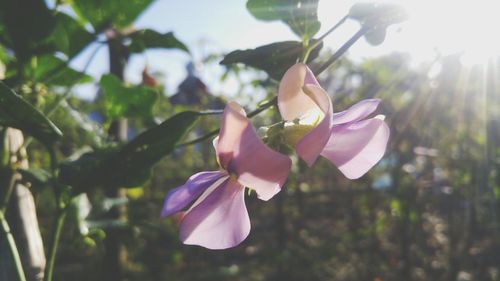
x=341 y=51
x=216 y=131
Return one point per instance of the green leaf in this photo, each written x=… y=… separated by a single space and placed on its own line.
x=122 y=101
x=27 y=24
x=377 y=17
x=70 y=36
x=274 y=58
x=376 y=36
x=37 y=177
x=17 y=113
x=147 y=39
x=300 y=15
x=106 y=13
x=130 y=165
x=54 y=71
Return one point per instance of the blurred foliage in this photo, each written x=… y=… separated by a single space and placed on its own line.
x=428 y=211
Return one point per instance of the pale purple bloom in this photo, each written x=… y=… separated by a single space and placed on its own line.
x=218 y=219
x=348 y=139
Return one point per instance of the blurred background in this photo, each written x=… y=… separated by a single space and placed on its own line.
x=428 y=211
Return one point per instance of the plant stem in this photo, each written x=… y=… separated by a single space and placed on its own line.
x=341 y=51
x=55 y=244
x=216 y=131
x=12 y=246
x=61 y=216
x=318 y=41
x=11 y=182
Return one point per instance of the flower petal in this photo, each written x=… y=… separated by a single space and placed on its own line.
x=311 y=145
x=356 y=112
x=178 y=198
x=243 y=153
x=292 y=101
x=234 y=122
x=259 y=167
x=355 y=148
x=220 y=220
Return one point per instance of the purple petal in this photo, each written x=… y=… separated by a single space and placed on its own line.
x=219 y=220
x=234 y=122
x=292 y=101
x=178 y=198
x=355 y=148
x=259 y=167
x=356 y=112
x=311 y=145
x=244 y=154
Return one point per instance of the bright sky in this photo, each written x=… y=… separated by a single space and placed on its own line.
x=219 y=26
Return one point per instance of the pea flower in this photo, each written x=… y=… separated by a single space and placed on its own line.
x=348 y=139
x=218 y=218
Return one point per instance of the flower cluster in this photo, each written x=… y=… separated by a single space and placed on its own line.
x=218 y=218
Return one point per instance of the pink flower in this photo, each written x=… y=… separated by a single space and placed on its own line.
x=218 y=219
x=350 y=141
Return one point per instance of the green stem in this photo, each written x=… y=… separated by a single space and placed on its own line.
x=11 y=182
x=61 y=216
x=55 y=244
x=251 y=114
x=341 y=51
x=318 y=41
x=12 y=246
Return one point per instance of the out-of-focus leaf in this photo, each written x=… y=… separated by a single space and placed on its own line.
x=147 y=39
x=105 y=13
x=54 y=71
x=69 y=36
x=27 y=24
x=130 y=165
x=376 y=36
x=377 y=17
x=300 y=15
x=122 y=101
x=274 y=58
x=17 y=113
x=37 y=177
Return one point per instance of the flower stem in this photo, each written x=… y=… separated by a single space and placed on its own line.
x=61 y=216
x=55 y=244
x=12 y=246
x=341 y=51
x=251 y=114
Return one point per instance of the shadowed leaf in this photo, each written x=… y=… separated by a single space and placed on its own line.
x=130 y=165
x=18 y=113
x=148 y=39
x=274 y=58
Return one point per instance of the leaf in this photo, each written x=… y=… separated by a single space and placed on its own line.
x=377 y=17
x=130 y=165
x=147 y=39
x=27 y=24
x=37 y=177
x=18 y=113
x=300 y=15
x=103 y=14
x=122 y=101
x=274 y=58
x=70 y=36
x=54 y=71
